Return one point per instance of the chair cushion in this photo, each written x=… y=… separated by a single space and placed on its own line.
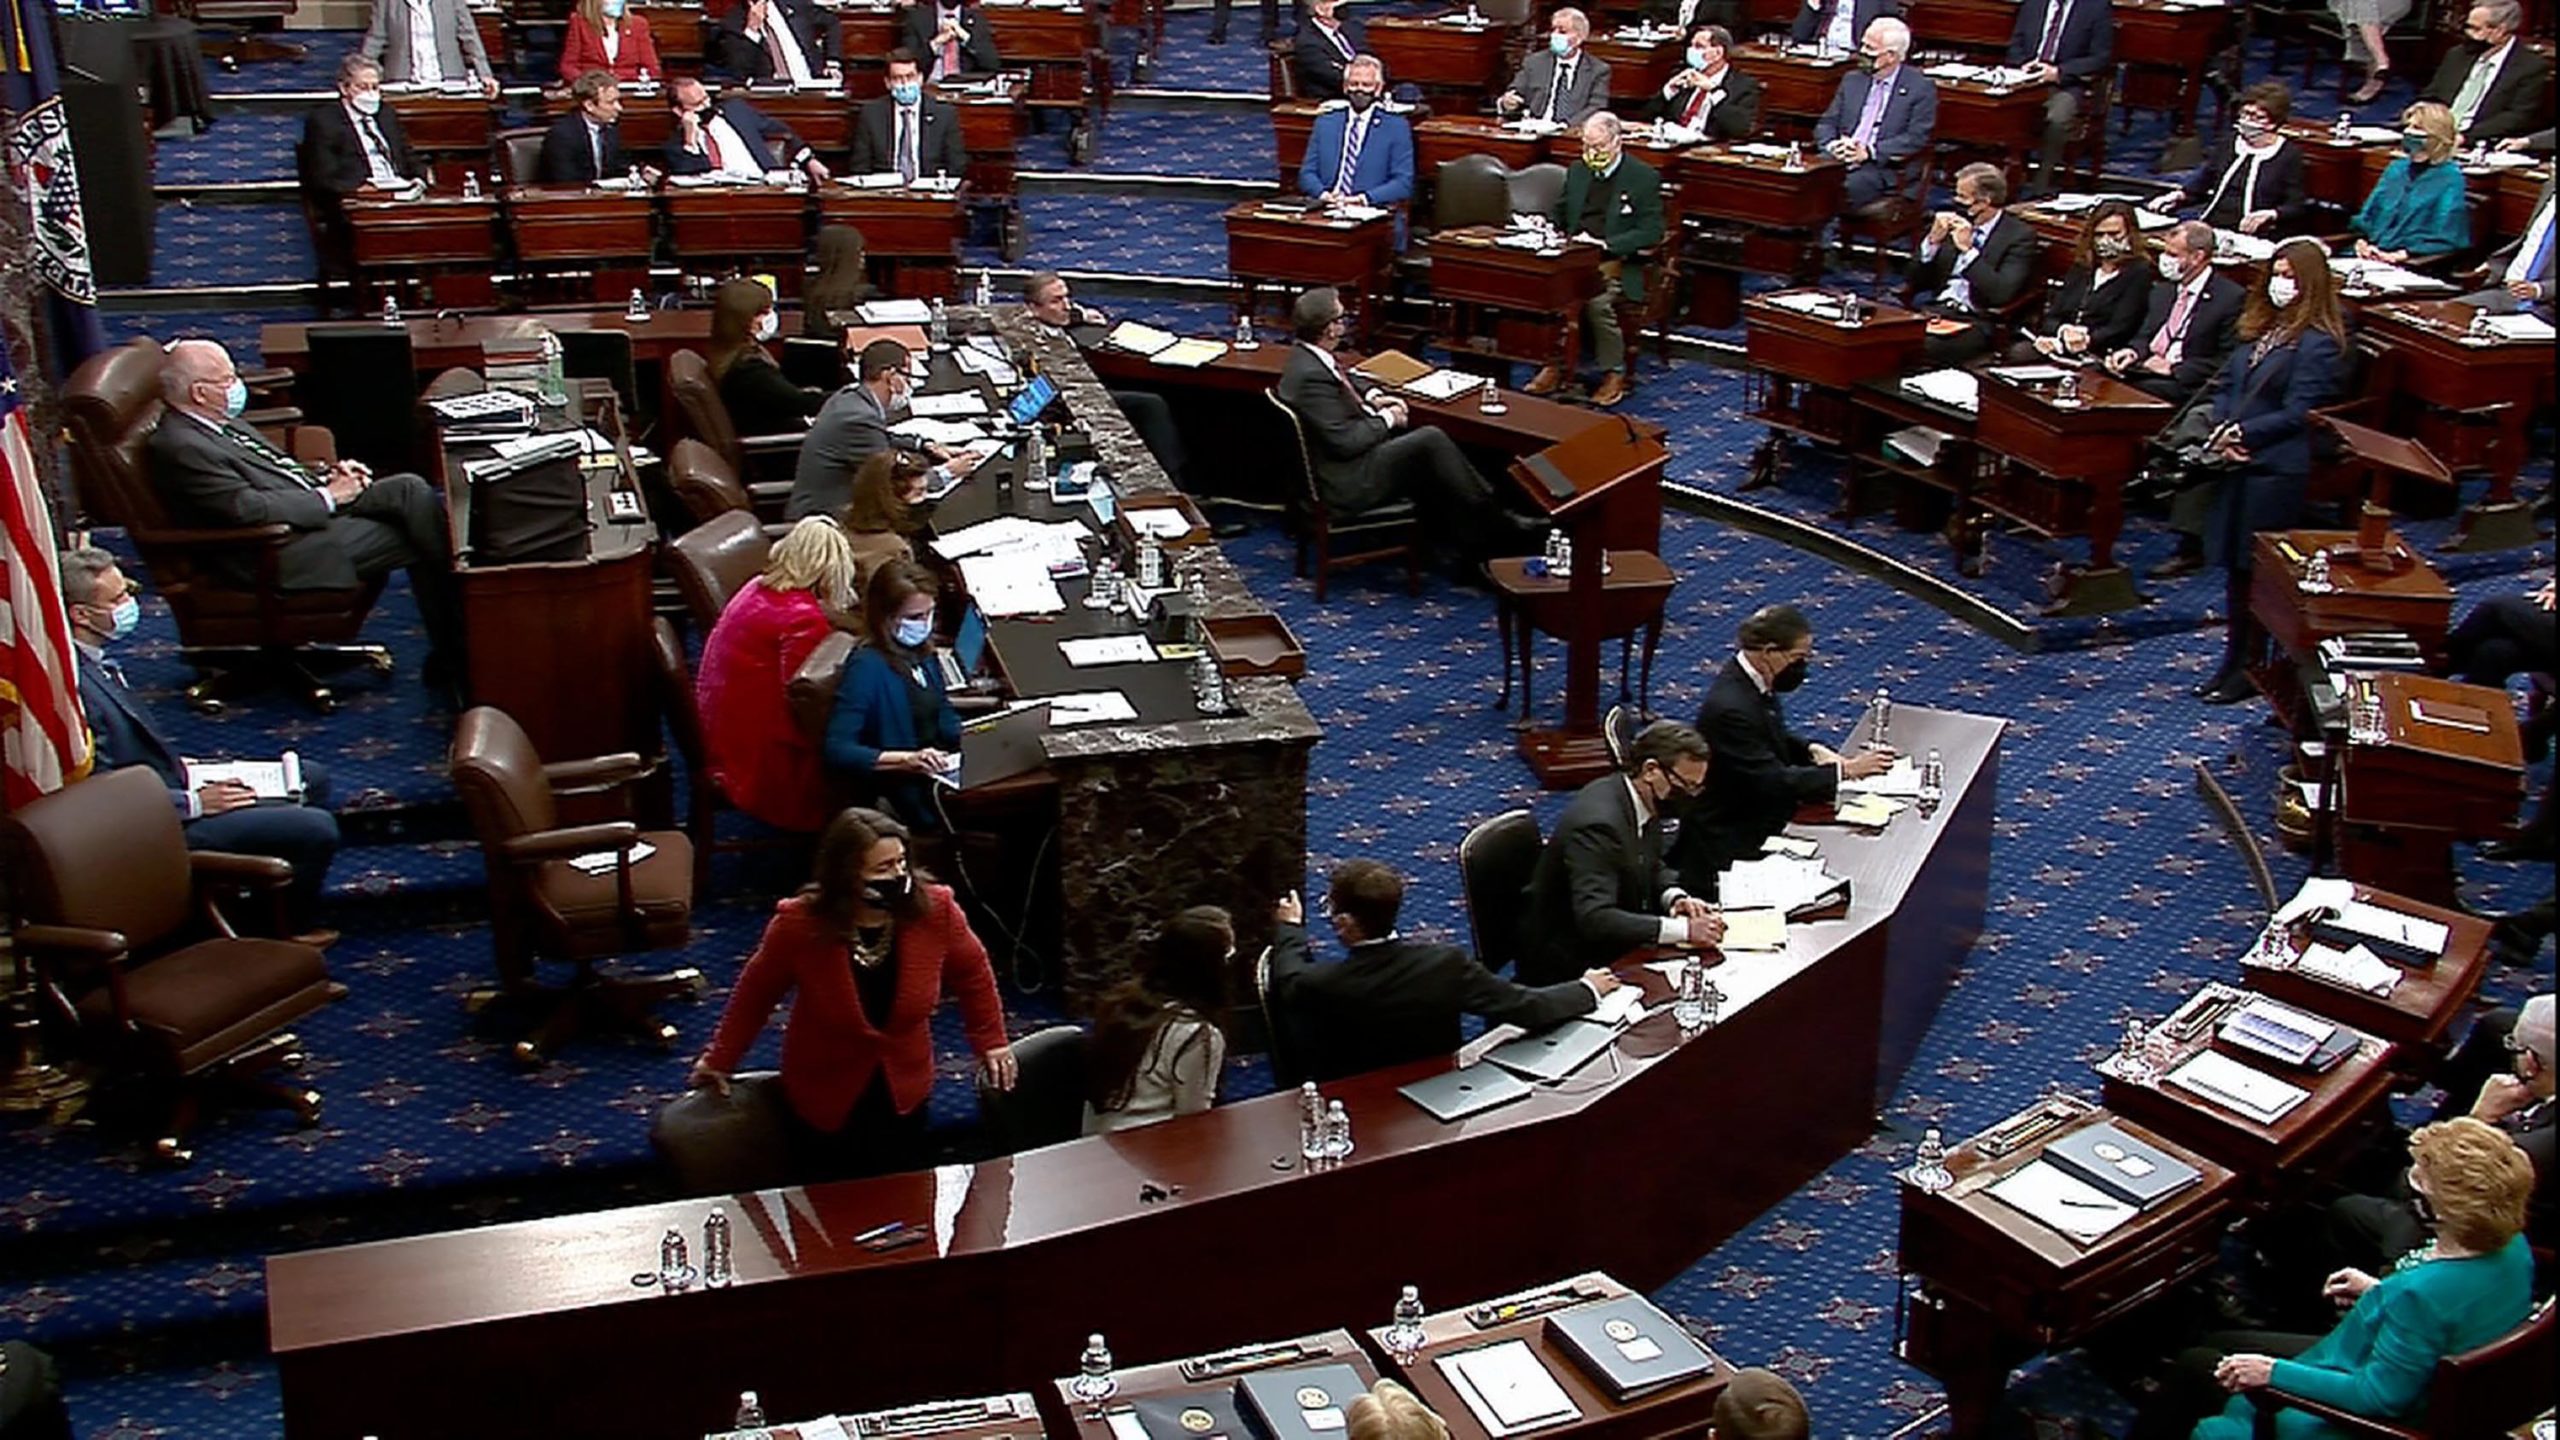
x=209 y=999
x=585 y=910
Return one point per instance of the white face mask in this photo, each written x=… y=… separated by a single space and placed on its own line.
x=2282 y=291
x=768 y=325
x=2170 y=268
x=367 y=102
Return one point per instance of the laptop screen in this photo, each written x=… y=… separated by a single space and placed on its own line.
x=1026 y=406
x=1106 y=505
x=969 y=642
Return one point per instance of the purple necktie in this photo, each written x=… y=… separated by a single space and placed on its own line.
x=1873 y=115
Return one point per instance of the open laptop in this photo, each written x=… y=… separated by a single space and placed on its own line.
x=1456 y=1094
x=1553 y=1054
x=962 y=663
x=1000 y=747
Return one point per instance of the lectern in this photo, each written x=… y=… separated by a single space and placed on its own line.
x=1576 y=481
x=2381 y=456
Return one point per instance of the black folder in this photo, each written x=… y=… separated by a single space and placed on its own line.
x=2142 y=1176
x=1303 y=1402
x=1162 y=1415
x=1628 y=1347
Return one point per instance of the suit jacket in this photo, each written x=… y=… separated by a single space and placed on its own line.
x=2518 y=102
x=215 y=481
x=736 y=52
x=1815 y=19
x=1320 y=62
x=1910 y=115
x=583 y=50
x=2003 y=268
x=2087 y=46
x=2209 y=330
x=762 y=400
x=977 y=53
x=567 y=159
x=848 y=430
x=122 y=728
x=1735 y=117
x=2425 y=210
x=1341 y=435
x=1385 y=171
x=1396 y=1000
x=938 y=146
x=458 y=48
x=1633 y=224
x=2279 y=187
x=1586 y=93
x=1761 y=772
x=2113 y=311
x=830 y=1048
x=769 y=142
x=2271 y=397
x=2505 y=255
x=1597 y=891
x=876 y=712
x=331 y=156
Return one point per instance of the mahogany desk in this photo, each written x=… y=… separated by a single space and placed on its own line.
x=1637 y=69
x=451 y=131
x=442 y=243
x=441 y=343
x=2163 y=51
x=676 y=28
x=2445 y=372
x=914 y=234
x=2414 y=600
x=1681 y=1409
x=865 y=33
x=578 y=227
x=2408 y=788
x=1748 y=214
x=1980 y=28
x=1164 y=1379
x=1063 y=49
x=1459 y=66
x=2080 y=457
x=1994 y=1287
x=1517 y=304
x=1794 y=89
x=2420 y=1009
x=1960 y=470
x=753 y=227
x=2001 y=124
x=1293 y=122
x=1444 y=138
x=1804 y=366
x=1303 y=248
x=543 y=1316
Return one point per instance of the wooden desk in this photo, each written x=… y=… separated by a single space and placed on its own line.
x=1063 y=50
x=1459 y=66
x=543 y=1315
x=914 y=234
x=558 y=227
x=1978 y=27
x=1293 y=123
x=1803 y=366
x=2081 y=456
x=1995 y=1287
x=2002 y=124
x=1519 y=304
x=444 y=342
x=676 y=28
x=1794 y=89
x=1637 y=69
x=2418 y=1012
x=753 y=227
x=2408 y=788
x=1302 y=248
x=2332 y=172
x=865 y=33
x=1674 y=1410
x=442 y=241
x=2163 y=51
x=2414 y=600
x=1165 y=1381
x=1776 y=214
x=1633 y=596
x=1444 y=138
x=452 y=132
x=2518 y=193
x=2446 y=373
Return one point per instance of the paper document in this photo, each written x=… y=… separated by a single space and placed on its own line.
x=825 y=1427
x=1444 y=384
x=949 y=405
x=949 y=434
x=1872 y=812
x=1107 y=650
x=997 y=372
x=2030 y=374
x=2519 y=327
x=2392 y=927
x=1508 y=1387
x=277 y=779
x=1190 y=354
x=1139 y=339
x=985 y=535
x=2354 y=968
x=1801 y=847
x=1165 y=522
x=1009 y=582
x=603 y=862
x=2315 y=894
x=894 y=312
x=2244 y=247
x=2079 y=1210
x=1776 y=882
x=2277 y=1032
x=1757 y=928
x=1917 y=443
x=2228 y=1083
x=1902 y=781
x=1090 y=707
x=2385 y=278
x=1806 y=302
x=1619 y=1007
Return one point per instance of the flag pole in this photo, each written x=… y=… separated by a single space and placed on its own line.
x=33 y=1084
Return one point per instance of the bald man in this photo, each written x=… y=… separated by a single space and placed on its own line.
x=350 y=525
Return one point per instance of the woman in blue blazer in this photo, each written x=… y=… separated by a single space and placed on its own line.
x=2292 y=342
x=893 y=725
x=2420 y=209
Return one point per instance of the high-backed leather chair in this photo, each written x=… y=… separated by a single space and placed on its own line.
x=1387 y=531
x=258 y=633
x=705 y=417
x=1894 y=220
x=546 y=905
x=726 y=1144
x=708 y=488
x=2477 y=1395
x=703 y=802
x=714 y=560
x=1470 y=190
x=1535 y=189
x=811 y=690
x=118 y=920
x=520 y=155
x=1046 y=1104
x=1494 y=863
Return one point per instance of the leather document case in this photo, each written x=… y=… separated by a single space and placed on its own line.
x=2120 y=1165
x=1628 y=1347
x=1303 y=1402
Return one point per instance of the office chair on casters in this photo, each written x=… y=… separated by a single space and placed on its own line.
x=714 y=560
x=118 y=921
x=1046 y=1104
x=1388 y=530
x=1494 y=864
x=546 y=906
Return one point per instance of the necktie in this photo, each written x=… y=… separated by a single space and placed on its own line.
x=711 y=145
x=1341 y=43
x=2053 y=32
x=1697 y=106
x=2466 y=102
x=595 y=147
x=906 y=144
x=1555 y=92
x=1872 y=116
x=2176 y=330
x=373 y=139
x=950 y=48
x=773 y=42
x=1355 y=133
x=256 y=444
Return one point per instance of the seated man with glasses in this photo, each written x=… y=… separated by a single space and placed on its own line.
x=1601 y=888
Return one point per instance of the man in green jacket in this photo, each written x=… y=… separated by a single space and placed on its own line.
x=1615 y=200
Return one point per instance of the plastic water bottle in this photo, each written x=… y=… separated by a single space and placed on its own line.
x=1209 y=684
x=939 y=331
x=1244 y=334
x=1689 y=1001
x=1559 y=555
x=1195 y=595
x=675 y=1269
x=1933 y=779
x=986 y=288
x=2133 y=1056
x=1150 y=562
x=715 y=1249
x=750 y=1424
x=636 y=310
x=1880 y=718
x=1404 y=1332
x=555 y=381
x=2315 y=574
x=1489 y=398
x=1035 y=458
x=1337 y=1131
x=1310 y=1122
x=2342 y=131
x=390 y=309
x=1093 y=1383
x=1103 y=591
x=1795 y=157
x=2067 y=392
x=1929 y=1164
x=470 y=184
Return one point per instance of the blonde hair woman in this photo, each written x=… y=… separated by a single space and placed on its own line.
x=2418 y=210
x=757 y=754
x=1389 y=1412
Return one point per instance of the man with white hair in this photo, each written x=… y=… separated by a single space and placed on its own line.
x=1559 y=84
x=2497 y=86
x=1882 y=116
x=1615 y=199
x=1358 y=153
x=349 y=525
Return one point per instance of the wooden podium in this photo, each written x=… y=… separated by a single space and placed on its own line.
x=1577 y=482
x=2427 y=762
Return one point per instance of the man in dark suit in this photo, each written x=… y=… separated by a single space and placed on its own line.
x=907 y=130
x=2070 y=43
x=791 y=41
x=350 y=525
x=2186 y=331
x=732 y=138
x=1560 y=83
x=950 y=39
x=1601 y=888
x=2519 y=273
x=356 y=145
x=1045 y=295
x=1763 y=770
x=853 y=426
x=1708 y=94
x=2496 y=85
x=585 y=145
x=1838 y=24
x=1975 y=259
x=1367 y=451
x=1392 y=999
x=1614 y=198
x=1882 y=116
x=101 y=604
x=1325 y=45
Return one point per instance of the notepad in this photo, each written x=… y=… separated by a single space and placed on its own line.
x=1139 y=339
x=2234 y=1086
x=1757 y=928
x=1870 y=811
x=2078 y=1210
x=1508 y=1388
x=1190 y=354
x=278 y=779
x=951 y=404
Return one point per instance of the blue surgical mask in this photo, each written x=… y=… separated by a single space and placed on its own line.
x=613 y=9
x=914 y=630
x=907 y=92
x=235 y=399
x=1697 y=58
x=121 y=620
x=2413 y=145
x=1560 y=44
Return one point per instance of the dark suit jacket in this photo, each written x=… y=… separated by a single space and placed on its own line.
x=2518 y=102
x=761 y=401
x=769 y=141
x=1814 y=18
x=1587 y=92
x=2001 y=273
x=566 y=158
x=2279 y=187
x=1634 y=223
x=1394 y=1001
x=125 y=736
x=1319 y=63
x=213 y=481
x=1910 y=114
x=848 y=430
x=1343 y=437
x=1761 y=772
x=977 y=53
x=1736 y=116
x=2112 y=311
x=735 y=53
x=332 y=157
x=1597 y=891
x=2270 y=397
x=938 y=146
x=2088 y=41
x=2209 y=325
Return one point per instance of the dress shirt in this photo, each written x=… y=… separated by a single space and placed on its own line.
x=783 y=42
x=595 y=145
x=1871 y=115
x=377 y=152
x=729 y=151
x=1760 y=682
x=2533 y=252
x=612 y=40
x=946 y=56
x=2475 y=87
x=1700 y=103
x=1673 y=930
x=1555 y=92
x=426 y=65
x=2245 y=162
x=2170 y=346
x=1333 y=35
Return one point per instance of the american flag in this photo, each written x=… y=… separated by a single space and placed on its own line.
x=44 y=741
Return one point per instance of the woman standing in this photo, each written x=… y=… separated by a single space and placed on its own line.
x=893 y=727
x=2365 y=22
x=602 y=36
x=758 y=756
x=2419 y=210
x=1157 y=1042
x=868 y=949
x=2100 y=302
x=760 y=401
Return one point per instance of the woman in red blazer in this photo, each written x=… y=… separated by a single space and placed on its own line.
x=758 y=754
x=870 y=948
x=603 y=37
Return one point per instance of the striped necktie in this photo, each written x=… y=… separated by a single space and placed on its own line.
x=1355 y=133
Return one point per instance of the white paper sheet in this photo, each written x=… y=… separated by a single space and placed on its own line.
x=950 y=405
x=602 y=862
x=277 y=779
x=1090 y=707
x=1107 y=650
x=2228 y=1083
x=1508 y=1387
x=2065 y=1202
x=1902 y=781
x=894 y=312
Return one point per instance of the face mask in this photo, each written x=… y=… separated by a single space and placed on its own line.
x=1560 y=44
x=913 y=631
x=2170 y=266
x=1599 y=159
x=2413 y=145
x=613 y=9
x=1697 y=59
x=2113 y=247
x=907 y=92
x=888 y=893
x=2421 y=1206
x=121 y=620
x=1360 y=100
x=2251 y=132
x=367 y=102
x=768 y=325
x=897 y=401
x=235 y=399
x=1792 y=677
x=2282 y=291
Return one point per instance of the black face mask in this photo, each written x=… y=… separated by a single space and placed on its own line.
x=1359 y=100
x=1869 y=63
x=888 y=894
x=1792 y=677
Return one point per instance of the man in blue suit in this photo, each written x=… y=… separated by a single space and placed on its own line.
x=2069 y=43
x=218 y=815
x=1837 y=24
x=1359 y=154
x=1881 y=117
x=732 y=139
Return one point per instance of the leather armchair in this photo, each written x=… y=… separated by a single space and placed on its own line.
x=1383 y=532
x=231 y=635
x=118 y=920
x=714 y=560
x=545 y=906
x=705 y=417
x=703 y=802
x=708 y=487
x=2480 y=1394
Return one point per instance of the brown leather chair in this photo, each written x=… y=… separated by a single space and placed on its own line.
x=2479 y=1394
x=714 y=560
x=709 y=487
x=1896 y=220
x=705 y=417
x=811 y=690
x=543 y=906
x=520 y=155
x=235 y=637
x=703 y=802
x=1388 y=531
x=119 y=922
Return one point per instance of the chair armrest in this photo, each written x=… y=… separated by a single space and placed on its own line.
x=264 y=872
x=774 y=490
x=74 y=940
x=229 y=538
x=315 y=445
x=596 y=772
x=547 y=845
x=778 y=441
x=2267 y=1401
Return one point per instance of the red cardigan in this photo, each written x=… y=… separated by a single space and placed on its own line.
x=759 y=756
x=584 y=51
x=829 y=1048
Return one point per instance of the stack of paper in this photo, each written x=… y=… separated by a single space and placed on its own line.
x=1190 y=354
x=1806 y=302
x=2383 y=277
x=926 y=430
x=1755 y=928
x=1107 y=650
x=1165 y=522
x=2244 y=247
x=2410 y=932
x=2079 y=1210
x=1139 y=339
x=2030 y=374
x=1508 y=1388
x=2354 y=968
x=1760 y=150
x=997 y=370
x=1872 y=812
x=1777 y=882
x=950 y=404
x=2519 y=327
x=1955 y=389
x=1800 y=846
x=1090 y=707
x=2227 y=1082
x=1916 y=443
x=2316 y=894
x=1444 y=384
x=1011 y=582
x=279 y=779
x=2374 y=134
x=894 y=312
x=1902 y=781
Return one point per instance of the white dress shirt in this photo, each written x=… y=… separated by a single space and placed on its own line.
x=737 y=157
x=2536 y=235
x=783 y=43
x=426 y=63
x=1672 y=930
x=1843 y=32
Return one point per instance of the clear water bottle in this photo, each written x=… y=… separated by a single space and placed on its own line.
x=2315 y=574
x=1209 y=684
x=1104 y=590
x=1310 y=1122
x=1795 y=157
x=1404 y=1332
x=2067 y=391
x=1689 y=1000
x=675 y=1266
x=2343 y=130
x=1150 y=562
x=715 y=1249
x=1337 y=1132
x=390 y=308
x=1880 y=718
x=750 y=1424
x=1195 y=596
x=1560 y=555
x=1929 y=1164
x=1035 y=457
x=555 y=380
x=986 y=288
x=1244 y=334
x=1094 y=1383
x=2133 y=1054
x=470 y=184
x=938 y=331
x=636 y=310
x=1489 y=398
x=1933 y=779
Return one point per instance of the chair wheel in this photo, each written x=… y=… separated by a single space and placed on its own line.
x=167 y=1151
x=202 y=700
x=323 y=700
x=381 y=663
x=694 y=980
x=527 y=1053
x=666 y=1036
x=475 y=1001
x=290 y=1060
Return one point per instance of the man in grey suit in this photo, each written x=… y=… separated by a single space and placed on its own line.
x=428 y=42
x=853 y=426
x=351 y=525
x=1559 y=83
x=1881 y=118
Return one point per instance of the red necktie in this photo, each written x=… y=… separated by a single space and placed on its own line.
x=1689 y=113
x=711 y=144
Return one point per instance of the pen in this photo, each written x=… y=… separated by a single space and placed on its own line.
x=2085 y=1204
x=881 y=1232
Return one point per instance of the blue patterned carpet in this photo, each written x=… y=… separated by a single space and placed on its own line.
x=2113 y=889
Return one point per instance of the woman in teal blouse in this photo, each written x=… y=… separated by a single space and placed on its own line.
x=2418 y=209
x=2470 y=1284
